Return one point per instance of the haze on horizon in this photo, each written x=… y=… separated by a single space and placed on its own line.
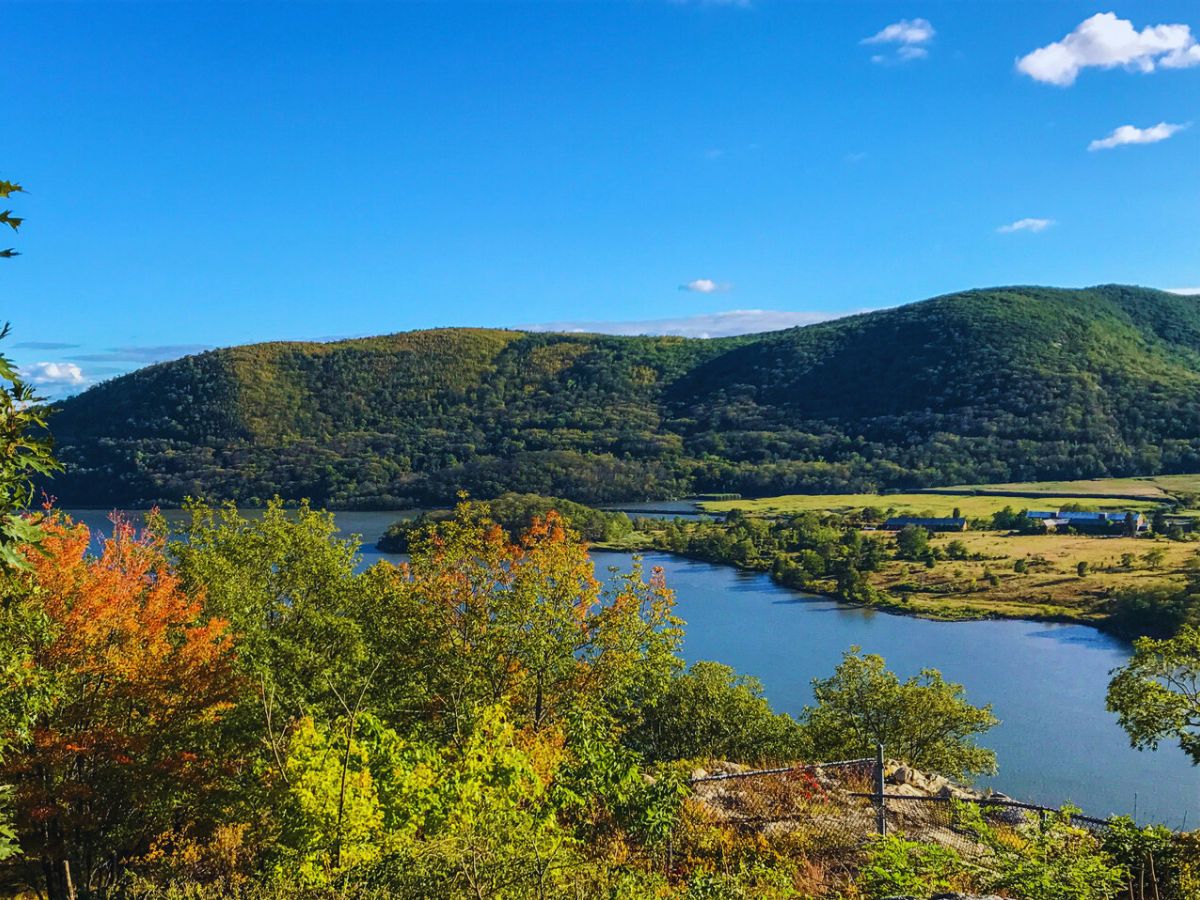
x=212 y=174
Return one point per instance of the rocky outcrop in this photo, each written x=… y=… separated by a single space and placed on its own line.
x=907 y=781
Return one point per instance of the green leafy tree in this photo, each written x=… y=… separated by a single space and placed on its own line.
x=7 y=189
x=711 y=712
x=912 y=542
x=287 y=585
x=925 y=721
x=1154 y=558
x=330 y=811
x=25 y=455
x=1156 y=695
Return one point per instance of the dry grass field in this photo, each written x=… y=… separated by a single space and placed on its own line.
x=970 y=505
x=1151 y=487
x=1049 y=588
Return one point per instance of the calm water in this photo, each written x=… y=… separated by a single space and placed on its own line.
x=662 y=509
x=1045 y=682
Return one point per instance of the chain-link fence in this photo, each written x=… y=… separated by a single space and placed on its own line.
x=842 y=805
x=821 y=823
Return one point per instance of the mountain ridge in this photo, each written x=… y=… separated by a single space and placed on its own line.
x=995 y=384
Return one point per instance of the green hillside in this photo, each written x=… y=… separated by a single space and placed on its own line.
x=1001 y=385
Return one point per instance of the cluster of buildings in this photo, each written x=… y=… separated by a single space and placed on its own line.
x=1095 y=522
x=1051 y=520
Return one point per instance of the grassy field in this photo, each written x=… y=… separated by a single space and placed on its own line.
x=1050 y=588
x=970 y=505
x=1152 y=487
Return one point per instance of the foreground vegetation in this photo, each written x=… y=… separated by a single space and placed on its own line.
x=998 y=385
x=236 y=711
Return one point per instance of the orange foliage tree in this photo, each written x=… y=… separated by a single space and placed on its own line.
x=134 y=679
x=478 y=619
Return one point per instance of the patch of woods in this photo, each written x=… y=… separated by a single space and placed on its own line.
x=515 y=513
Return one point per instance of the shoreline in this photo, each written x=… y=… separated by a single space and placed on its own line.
x=893 y=607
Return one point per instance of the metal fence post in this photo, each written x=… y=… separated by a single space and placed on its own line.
x=880 y=800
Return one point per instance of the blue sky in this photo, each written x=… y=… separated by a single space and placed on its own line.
x=204 y=175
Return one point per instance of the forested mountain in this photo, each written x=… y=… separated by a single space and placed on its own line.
x=986 y=385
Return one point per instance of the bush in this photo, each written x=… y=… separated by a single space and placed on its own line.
x=898 y=867
x=1161 y=863
x=1056 y=861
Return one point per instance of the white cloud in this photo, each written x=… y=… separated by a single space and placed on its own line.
x=1130 y=134
x=54 y=374
x=706 y=286
x=1106 y=42
x=720 y=324
x=1187 y=292
x=1034 y=225
x=909 y=34
x=906 y=31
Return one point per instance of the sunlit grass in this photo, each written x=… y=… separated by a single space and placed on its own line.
x=970 y=505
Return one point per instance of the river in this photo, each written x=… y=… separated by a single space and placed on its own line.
x=1056 y=742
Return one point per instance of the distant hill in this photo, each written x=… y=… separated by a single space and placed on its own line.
x=1007 y=384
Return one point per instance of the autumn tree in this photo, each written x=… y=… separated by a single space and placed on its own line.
x=132 y=676
x=478 y=619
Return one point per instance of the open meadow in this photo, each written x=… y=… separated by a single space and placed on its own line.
x=987 y=583
x=971 y=505
x=1151 y=487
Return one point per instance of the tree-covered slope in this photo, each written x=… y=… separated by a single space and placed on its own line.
x=989 y=385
